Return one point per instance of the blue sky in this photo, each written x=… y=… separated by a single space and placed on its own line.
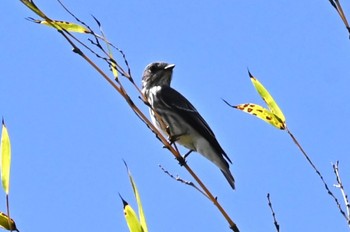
x=70 y=130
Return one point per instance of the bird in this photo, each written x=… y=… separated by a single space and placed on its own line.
x=174 y=115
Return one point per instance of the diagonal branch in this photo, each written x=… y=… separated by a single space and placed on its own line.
x=317 y=172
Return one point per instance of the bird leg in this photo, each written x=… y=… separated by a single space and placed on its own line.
x=187 y=154
x=172 y=139
x=182 y=159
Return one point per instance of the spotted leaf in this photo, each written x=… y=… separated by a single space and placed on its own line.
x=261 y=113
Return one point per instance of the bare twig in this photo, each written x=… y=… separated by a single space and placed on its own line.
x=345 y=196
x=316 y=170
x=277 y=226
x=179 y=179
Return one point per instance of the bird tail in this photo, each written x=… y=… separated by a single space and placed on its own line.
x=229 y=177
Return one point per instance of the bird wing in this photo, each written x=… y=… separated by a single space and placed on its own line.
x=176 y=101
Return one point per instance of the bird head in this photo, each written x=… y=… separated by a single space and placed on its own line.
x=157 y=74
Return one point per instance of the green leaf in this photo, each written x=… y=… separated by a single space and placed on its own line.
x=131 y=218
x=138 y=199
x=30 y=4
x=7 y=223
x=60 y=25
x=271 y=103
x=261 y=113
x=5 y=154
x=113 y=64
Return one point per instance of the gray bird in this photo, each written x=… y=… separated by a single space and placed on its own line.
x=173 y=114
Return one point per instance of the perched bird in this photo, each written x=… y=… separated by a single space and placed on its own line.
x=173 y=114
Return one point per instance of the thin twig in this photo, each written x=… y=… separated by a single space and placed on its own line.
x=8 y=212
x=345 y=196
x=186 y=182
x=317 y=171
x=277 y=226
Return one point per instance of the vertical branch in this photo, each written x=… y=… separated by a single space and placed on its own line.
x=345 y=196
x=277 y=226
x=8 y=212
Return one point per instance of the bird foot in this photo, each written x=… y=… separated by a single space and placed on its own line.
x=181 y=160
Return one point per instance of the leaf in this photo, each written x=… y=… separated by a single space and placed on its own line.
x=30 y=4
x=138 y=199
x=4 y=222
x=131 y=217
x=60 y=25
x=113 y=63
x=271 y=104
x=5 y=155
x=261 y=113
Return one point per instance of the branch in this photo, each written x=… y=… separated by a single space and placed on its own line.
x=277 y=226
x=186 y=182
x=317 y=172
x=345 y=196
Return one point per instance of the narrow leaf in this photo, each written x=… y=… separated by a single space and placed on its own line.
x=4 y=222
x=60 y=25
x=113 y=64
x=138 y=199
x=5 y=158
x=131 y=218
x=271 y=104
x=30 y=4
x=261 y=113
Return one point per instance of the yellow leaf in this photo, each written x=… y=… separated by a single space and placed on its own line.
x=131 y=217
x=271 y=103
x=60 y=25
x=261 y=113
x=138 y=199
x=5 y=154
x=4 y=222
x=113 y=66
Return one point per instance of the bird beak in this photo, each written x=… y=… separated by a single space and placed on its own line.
x=170 y=66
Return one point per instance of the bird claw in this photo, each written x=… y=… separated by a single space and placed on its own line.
x=181 y=160
x=172 y=139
